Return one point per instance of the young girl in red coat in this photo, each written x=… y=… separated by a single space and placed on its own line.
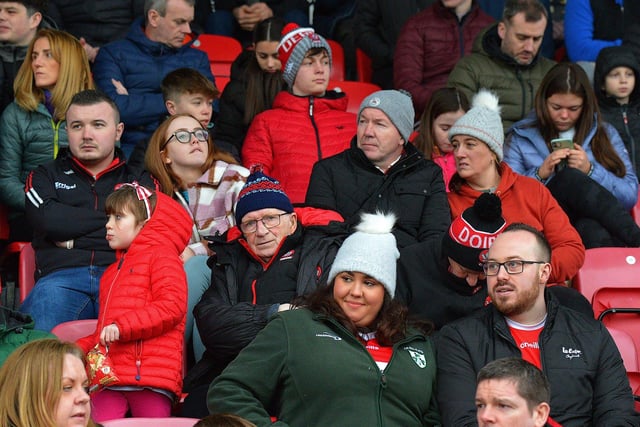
x=445 y=106
x=143 y=301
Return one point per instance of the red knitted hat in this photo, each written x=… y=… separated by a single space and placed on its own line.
x=295 y=43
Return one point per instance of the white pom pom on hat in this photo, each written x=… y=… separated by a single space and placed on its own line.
x=371 y=250
x=483 y=121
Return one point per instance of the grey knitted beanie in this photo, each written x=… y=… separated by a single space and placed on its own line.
x=396 y=105
x=371 y=250
x=295 y=43
x=482 y=121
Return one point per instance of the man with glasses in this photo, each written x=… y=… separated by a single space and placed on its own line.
x=587 y=377
x=65 y=206
x=256 y=275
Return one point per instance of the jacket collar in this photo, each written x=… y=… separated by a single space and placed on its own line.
x=412 y=156
x=138 y=37
x=490 y=44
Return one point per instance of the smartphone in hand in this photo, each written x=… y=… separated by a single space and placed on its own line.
x=559 y=144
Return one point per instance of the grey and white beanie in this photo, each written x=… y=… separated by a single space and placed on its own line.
x=371 y=250
x=482 y=121
x=295 y=43
x=396 y=105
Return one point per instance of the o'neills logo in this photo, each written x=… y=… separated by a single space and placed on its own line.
x=463 y=233
x=292 y=39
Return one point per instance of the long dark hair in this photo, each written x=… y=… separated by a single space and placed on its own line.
x=570 y=78
x=262 y=87
x=391 y=325
x=443 y=100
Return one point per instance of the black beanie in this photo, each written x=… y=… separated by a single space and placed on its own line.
x=471 y=234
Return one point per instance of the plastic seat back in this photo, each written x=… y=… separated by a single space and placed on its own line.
x=75 y=329
x=221 y=51
x=363 y=66
x=626 y=346
x=634 y=381
x=337 y=60
x=608 y=268
x=151 y=422
x=356 y=92
x=610 y=280
x=26 y=270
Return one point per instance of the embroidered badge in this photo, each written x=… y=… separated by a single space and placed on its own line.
x=418 y=357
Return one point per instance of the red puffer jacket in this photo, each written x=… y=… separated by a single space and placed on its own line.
x=300 y=130
x=145 y=294
x=429 y=46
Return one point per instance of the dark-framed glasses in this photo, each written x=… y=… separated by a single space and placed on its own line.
x=513 y=266
x=269 y=221
x=184 y=136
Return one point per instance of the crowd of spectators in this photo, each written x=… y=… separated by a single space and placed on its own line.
x=263 y=254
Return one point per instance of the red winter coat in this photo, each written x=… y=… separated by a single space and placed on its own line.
x=429 y=46
x=526 y=200
x=145 y=294
x=288 y=139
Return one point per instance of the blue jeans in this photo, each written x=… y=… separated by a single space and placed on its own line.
x=198 y=280
x=69 y=294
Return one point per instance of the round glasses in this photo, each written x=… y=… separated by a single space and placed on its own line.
x=514 y=266
x=184 y=136
x=269 y=221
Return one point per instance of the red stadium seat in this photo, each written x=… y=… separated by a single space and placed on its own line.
x=609 y=280
x=634 y=380
x=337 y=61
x=151 y=422
x=221 y=50
x=26 y=268
x=627 y=348
x=75 y=329
x=363 y=66
x=356 y=91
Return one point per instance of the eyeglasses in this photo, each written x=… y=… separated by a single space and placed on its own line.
x=269 y=221
x=514 y=266
x=184 y=136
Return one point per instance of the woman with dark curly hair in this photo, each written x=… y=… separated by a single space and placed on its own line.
x=348 y=354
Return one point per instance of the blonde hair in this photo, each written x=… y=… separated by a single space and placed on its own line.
x=31 y=383
x=155 y=156
x=73 y=77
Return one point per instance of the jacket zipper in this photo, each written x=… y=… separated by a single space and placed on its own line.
x=315 y=127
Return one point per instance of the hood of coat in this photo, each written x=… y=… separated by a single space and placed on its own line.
x=608 y=59
x=10 y=319
x=169 y=227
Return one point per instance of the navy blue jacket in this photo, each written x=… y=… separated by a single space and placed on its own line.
x=140 y=65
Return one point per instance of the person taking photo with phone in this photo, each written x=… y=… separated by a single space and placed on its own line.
x=592 y=178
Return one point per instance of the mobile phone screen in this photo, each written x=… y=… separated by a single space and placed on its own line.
x=560 y=143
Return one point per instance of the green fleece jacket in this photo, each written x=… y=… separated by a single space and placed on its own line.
x=308 y=370
x=488 y=67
